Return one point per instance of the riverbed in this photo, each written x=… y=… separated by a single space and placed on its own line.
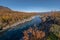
x=17 y=32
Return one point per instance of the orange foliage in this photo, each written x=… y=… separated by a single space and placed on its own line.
x=34 y=34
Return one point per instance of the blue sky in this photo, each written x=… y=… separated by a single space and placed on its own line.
x=32 y=5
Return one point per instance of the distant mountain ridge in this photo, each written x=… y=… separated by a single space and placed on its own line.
x=7 y=9
x=2 y=8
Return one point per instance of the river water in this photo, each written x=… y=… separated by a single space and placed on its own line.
x=17 y=32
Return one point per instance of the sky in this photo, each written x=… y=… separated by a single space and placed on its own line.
x=32 y=5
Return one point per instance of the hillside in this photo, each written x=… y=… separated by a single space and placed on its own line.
x=8 y=16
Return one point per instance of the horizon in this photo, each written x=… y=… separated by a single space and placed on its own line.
x=32 y=5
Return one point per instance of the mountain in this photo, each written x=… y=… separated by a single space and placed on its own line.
x=2 y=9
x=5 y=10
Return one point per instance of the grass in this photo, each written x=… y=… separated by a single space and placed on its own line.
x=52 y=36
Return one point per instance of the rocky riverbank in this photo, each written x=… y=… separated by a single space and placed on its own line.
x=17 y=23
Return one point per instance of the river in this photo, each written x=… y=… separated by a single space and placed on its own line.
x=17 y=32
